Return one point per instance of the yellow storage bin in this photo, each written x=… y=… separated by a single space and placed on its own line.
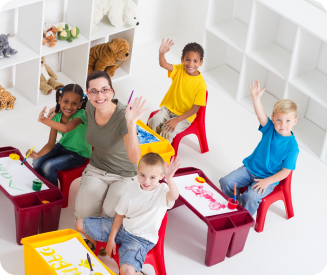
x=35 y=264
x=162 y=147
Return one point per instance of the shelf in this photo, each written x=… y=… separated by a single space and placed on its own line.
x=313 y=84
x=119 y=73
x=231 y=31
x=224 y=78
x=22 y=104
x=309 y=136
x=63 y=44
x=268 y=101
x=25 y=53
x=18 y=3
x=51 y=98
x=105 y=29
x=274 y=58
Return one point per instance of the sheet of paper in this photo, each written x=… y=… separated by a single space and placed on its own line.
x=202 y=197
x=144 y=136
x=15 y=178
x=70 y=257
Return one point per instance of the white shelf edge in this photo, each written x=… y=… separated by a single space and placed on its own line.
x=14 y=4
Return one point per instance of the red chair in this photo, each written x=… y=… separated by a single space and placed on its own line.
x=281 y=192
x=197 y=127
x=66 y=177
x=155 y=257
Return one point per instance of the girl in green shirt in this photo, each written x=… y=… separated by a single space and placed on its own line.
x=72 y=150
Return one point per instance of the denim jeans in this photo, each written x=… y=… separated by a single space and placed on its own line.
x=243 y=177
x=57 y=159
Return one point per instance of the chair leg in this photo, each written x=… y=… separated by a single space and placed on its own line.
x=288 y=204
x=261 y=216
x=65 y=186
x=160 y=267
x=202 y=137
x=176 y=142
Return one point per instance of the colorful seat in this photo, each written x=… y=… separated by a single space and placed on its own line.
x=197 y=127
x=155 y=257
x=281 y=192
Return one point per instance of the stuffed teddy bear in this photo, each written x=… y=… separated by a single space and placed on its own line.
x=119 y=13
x=66 y=34
x=49 y=33
x=7 y=100
x=108 y=56
x=5 y=49
x=48 y=79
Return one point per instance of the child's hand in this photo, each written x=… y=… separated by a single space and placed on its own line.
x=41 y=115
x=111 y=247
x=169 y=171
x=171 y=124
x=51 y=113
x=133 y=114
x=261 y=185
x=255 y=90
x=165 y=46
x=33 y=155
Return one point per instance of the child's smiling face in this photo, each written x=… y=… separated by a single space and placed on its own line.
x=149 y=176
x=192 y=62
x=284 y=122
x=69 y=103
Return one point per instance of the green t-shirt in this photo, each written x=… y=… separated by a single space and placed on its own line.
x=109 y=153
x=75 y=140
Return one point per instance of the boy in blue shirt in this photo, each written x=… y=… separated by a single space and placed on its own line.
x=274 y=157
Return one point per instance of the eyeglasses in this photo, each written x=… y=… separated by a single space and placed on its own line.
x=96 y=92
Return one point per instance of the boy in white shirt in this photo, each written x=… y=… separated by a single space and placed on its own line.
x=139 y=214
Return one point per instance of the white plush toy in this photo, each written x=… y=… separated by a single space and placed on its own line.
x=119 y=13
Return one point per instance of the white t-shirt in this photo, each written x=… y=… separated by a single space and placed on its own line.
x=144 y=210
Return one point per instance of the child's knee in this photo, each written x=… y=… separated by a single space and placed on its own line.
x=224 y=182
x=126 y=269
x=79 y=225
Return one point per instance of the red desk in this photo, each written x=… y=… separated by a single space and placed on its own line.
x=227 y=232
x=31 y=215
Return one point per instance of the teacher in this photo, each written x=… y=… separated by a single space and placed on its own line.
x=112 y=133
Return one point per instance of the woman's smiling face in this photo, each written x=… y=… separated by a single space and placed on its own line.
x=100 y=93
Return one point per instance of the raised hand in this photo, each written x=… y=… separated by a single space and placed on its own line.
x=134 y=113
x=165 y=46
x=169 y=171
x=41 y=115
x=255 y=90
x=51 y=113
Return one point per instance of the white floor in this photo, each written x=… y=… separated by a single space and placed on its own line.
x=296 y=246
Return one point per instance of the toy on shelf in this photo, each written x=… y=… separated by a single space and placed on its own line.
x=66 y=34
x=5 y=49
x=108 y=56
x=119 y=13
x=49 y=33
x=7 y=100
x=48 y=79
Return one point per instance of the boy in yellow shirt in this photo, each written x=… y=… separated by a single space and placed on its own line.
x=185 y=95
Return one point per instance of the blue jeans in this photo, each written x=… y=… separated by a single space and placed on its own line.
x=243 y=177
x=57 y=159
x=133 y=249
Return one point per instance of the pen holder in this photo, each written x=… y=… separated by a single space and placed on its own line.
x=37 y=184
x=231 y=204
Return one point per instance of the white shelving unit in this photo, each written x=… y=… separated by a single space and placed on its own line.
x=281 y=43
x=20 y=74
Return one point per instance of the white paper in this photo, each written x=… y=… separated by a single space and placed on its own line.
x=200 y=202
x=70 y=256
x=15 y=178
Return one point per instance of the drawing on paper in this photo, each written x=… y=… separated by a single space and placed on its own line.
x=199 y=191
x=144 y=136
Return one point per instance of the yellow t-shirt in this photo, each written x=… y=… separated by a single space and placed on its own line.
x=184 y=92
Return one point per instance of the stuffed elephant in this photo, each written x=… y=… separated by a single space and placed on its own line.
x=5 y=49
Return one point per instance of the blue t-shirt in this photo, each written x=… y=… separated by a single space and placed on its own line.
x=273 y=153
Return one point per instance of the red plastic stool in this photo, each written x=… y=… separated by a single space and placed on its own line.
x=66 y=177
x=155 y=256
x=281 y=192
x=197 y=127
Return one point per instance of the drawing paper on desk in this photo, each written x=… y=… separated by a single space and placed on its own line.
x=202 y=197
x=16 y=179
x=144 y=136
